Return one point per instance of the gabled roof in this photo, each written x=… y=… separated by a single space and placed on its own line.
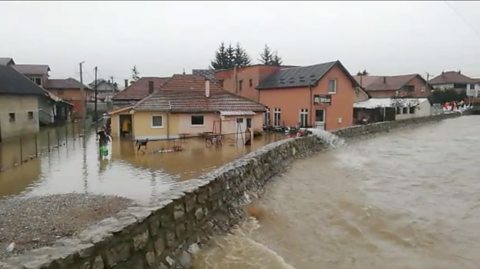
x=6 y=61
x=13 y=82
x=450 y=77
x=300 y=76
x=186 y=93
x=139 y=89
x=188 y=82
x=32 y=69
x=69 y=83
x=195 y=101
x=385 y=83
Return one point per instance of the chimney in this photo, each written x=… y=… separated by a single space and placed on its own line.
x=385 y=80
x=459 y=72
x=150 y=87
x=126 y=83
x=207 y=88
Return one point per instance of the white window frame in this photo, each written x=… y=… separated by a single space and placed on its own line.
x=151 y=122
x=275 y=121
x=303 y=116
x=266 y=117
x=197 y=125
x=334 y=86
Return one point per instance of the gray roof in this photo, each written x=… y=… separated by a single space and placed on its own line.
x=6 y=61
x=12 y=82
x=296 y=76
x=32 y=69
x=207 y=73
x=69 y=83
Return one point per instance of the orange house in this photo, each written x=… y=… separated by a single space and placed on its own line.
x=319 y=96
x=244 y=80
x=70 y=90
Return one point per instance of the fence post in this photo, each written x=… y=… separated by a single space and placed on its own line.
x=48 y=140
x=58 y=138
x=66 y=135
x=21 y=151
x=73 y=131
x=36 y=146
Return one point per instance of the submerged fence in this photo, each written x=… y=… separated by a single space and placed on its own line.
x=18 y=150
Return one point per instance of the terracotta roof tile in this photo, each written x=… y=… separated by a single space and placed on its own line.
x=186 y=93
x=69 y=83
x=384 y=83
x=139 y=89
x=32 y=69
x=449 y=78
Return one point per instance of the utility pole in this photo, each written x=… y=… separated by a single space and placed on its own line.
x=96 y=93
x=82 y=93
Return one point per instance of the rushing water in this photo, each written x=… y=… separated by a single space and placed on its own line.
x=75 y=166
x=406 y=199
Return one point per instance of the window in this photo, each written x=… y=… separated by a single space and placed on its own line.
x=240 y=83
x=197 y=120
x=472 y=86
x=423 y=89
x=266 y=119
x=405 y=110
x=239 y=120
x=332 y=86
x=221 y=83
x=11 y=117
x=303 y=117
x=412 y=110
x=157 y=121
x=410 y=88
x=399 y=110
x=249 y=123
x=30 y=115
x=38 y=81
x=250 y=82
x=276 y=117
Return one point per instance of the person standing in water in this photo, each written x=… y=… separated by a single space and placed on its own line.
x=103 y=140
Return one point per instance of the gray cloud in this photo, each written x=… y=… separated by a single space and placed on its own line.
x=162 y=38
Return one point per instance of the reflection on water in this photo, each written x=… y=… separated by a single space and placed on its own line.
x=76 y=166
x=406 y=199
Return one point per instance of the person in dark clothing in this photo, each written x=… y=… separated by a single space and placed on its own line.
x=103 y=137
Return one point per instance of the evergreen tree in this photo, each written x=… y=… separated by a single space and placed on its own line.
x=221 y=60
x=266 y=56
x=229 y=57
x=276 y=60
x=362 y=73
x=135 y=73
x=241 y=57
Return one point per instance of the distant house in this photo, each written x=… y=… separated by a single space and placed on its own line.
x=6 y=61
x=188 y=105
x=70 y=90
x=138 y=90
x=388 y=109
x=18 y=104
x=52 y=109
x=411 y=85
x=320 y=96
x=473 y=88
x=105 y=89
x=451 y=80
x=392 y=98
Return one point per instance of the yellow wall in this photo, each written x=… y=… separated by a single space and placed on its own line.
x=180 y=123
x=20 y=105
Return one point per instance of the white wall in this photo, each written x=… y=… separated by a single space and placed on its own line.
x=424 y=109
x=475 y=92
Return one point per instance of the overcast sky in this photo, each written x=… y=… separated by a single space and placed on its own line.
x=163 y=38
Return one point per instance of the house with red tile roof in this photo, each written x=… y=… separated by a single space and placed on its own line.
x=451 y=80
x=392 y=98
x=138 y=90
x=187 y=105
x=410 y=85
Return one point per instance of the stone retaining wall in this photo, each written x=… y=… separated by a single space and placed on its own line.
x=166 y=235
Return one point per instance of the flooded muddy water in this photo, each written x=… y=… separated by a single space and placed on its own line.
x=76 y=166
x=405 y=199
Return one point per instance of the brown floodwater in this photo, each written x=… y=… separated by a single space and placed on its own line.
x=75 y=166
x=405 y=199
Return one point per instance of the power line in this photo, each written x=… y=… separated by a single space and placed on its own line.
x=477 y=33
